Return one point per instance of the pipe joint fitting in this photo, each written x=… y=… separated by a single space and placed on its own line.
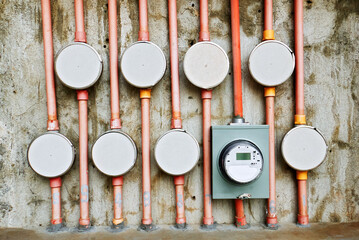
x=53 y=125
x=55 y=182
x=117 y=221
x=204 y=36
x=302 y=175
x=117 y=181
x=268 y=35
x=56 y=221
x=180 y=220
x=143 y=36
x=176 y=123
x=269 y=92
x=206 y=94
x=303 y=220
x=80 y=37
x=115 y=123
x=179 y=180
x=299 y=119
x=82 y=95
x=145 y=93
x=241 y=222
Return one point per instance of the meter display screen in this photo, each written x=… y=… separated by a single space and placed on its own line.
x=243 y=156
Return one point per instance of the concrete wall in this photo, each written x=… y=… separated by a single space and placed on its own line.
x=331 y=90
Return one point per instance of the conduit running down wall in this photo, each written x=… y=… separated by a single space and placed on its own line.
x=240 y=218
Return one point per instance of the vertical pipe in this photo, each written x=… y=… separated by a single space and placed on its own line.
x=143 y=34
x=117 y=183
x=204 y=26
x=236 y=50
x=237 y=90
x=269 y=93
x=299 y=62
x=52 y=122
x=115 y=98
x=268 y=14
x=207 y=191
x=80 y=34
x=55 y=184
x=180 y=208
x=176 y=107
x=303 y=218
x=145 y=95
x=82 y=97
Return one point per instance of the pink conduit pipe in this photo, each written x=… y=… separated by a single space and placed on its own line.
x=145 y=95
x=299 y=118
x=117 y=182
x=82 y=97
x=143 y=34
x=176 y=107
x=52 y=122
x=269 y=93
x=237 y=87
x=206 y=103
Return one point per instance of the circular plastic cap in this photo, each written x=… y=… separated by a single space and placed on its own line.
x=177 y=152
x=143 y=64
x=271 y=63
x=51 y=155
x=304 y=148
x=78 y=65
x=114 y=153
x=206 y=65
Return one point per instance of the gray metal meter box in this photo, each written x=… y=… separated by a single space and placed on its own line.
x=240 y=161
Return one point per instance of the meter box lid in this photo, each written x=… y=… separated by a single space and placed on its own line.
x=206 y=65
x=114 y=153
x=304 y=148
x=271 y=63
x=51 y=154
x=256 y=138
x=143 y=64
x=177 y=152
x=78 y=65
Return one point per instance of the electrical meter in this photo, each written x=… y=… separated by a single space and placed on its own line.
x=240 y=161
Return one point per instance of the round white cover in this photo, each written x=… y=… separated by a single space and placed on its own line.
x=78 y=65
x=177 y=152
x=114 y=153
x=51 y=154
x=206 y=65
x=271 y=63
x=304 y=148
x=143 y=64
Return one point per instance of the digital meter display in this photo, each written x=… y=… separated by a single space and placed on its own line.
x=243 y=156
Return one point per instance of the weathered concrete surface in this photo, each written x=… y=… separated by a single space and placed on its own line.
x=331 y=90
x=288 y=231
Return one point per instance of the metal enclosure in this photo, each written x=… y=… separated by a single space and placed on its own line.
x=224 y=135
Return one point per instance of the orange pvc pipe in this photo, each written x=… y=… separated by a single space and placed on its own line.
x=143 y=34
x=145 y=95
x=82 y=97
x=115 y=96
x=236 y=50
x=299 y=57
x=117 y=183
x=303 y=218
x=180 y=207
x=268 y=15
x=55 y=184
x=204 y=26
x=207 y=191
x=175 y=89
x=52 y=122
x=271 y=207
x=240 y=217
x=80 y=34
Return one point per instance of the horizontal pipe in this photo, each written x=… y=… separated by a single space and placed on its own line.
x=82 y=97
